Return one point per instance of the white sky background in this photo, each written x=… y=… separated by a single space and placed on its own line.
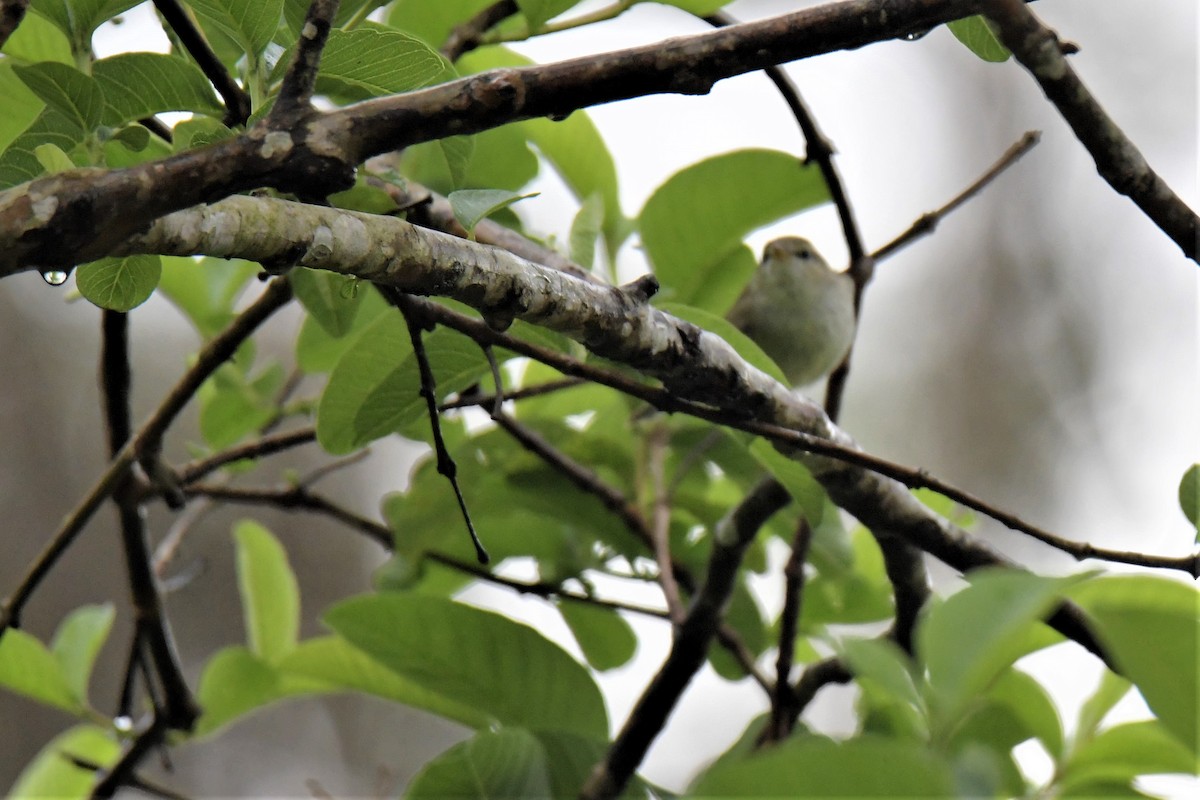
x=975 y=315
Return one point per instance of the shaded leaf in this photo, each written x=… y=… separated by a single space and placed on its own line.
x=473 y=205
x=979 y=37
x=475 y=657
x=138 y=85
x=77 y=642
x=509 y=762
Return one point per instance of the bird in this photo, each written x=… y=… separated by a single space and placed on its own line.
x=798 y=310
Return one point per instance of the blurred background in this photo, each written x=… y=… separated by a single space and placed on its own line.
x=1039 y=350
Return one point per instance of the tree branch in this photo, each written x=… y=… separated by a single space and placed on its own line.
x=1117 y=158
x=11 y=14
x=81 y=215
x=237 y=102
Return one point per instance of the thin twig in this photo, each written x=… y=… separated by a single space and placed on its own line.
x=257 y=448
x=489 y=400
x=1117 y=159
x=962 y=554
x=783 y=698
x=660 y=521
x=926 y=223
x=237 y=101
x=294 y=498
x=148 y=438
x=122 y=772
x=688 y=650
x=295 y=94
x=133 y=781
x=467 y=35
x=428 y=391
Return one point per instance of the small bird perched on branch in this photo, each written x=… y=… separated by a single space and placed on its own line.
x=798 y=310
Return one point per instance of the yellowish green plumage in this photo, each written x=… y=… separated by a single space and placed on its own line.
x=798 y=310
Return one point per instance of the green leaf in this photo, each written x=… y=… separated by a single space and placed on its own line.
x=138 y=85
x=979 y=37
x=339 y=666
x=49 y=774
x=573 y=146
x=1110 y=691
x=37 y=39
x=442 y=164
x=1032 y=708
x=77 y=642
x=234 y=683
x=539 y=12
x=328 y=297
x=603 y=635
x=251 y=25
x=119 y=284
x=477 y=658
x=509 y=762
x=701 y=8
x=472 y=205
x=1189 y=496
x=232 y=406
x=66 y=90
x=1151 y=627
x=840 y=593
x=53 y=159
x=28 y=668
x=270 y=595
x=967 y=641
x=1126 y=751
x=317 y=351
x=21 y=106
x=375 y=388
x=372 y=61
x=78 y=18
x=882 y=662
x=585 y=230
x=432 y=21
x=692 y=224
x=205 y=290
x=812 y=766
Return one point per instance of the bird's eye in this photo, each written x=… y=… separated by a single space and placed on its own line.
x=804 y=252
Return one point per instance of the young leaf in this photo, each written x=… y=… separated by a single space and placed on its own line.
x=77 y=642
x=603 y=635
x=138 y=85
x=51 y=775
x=701 y=214
x=813 y=766
x=234 y=683
x=121 y=283
x=977 y=633
x=509 y=762
x=270 y=596
x=585 y=229
x=28 y=668
x=53 y=159
x=334 y=662
x=37 y=39
x=1127 y=751
x=977 y=34
x=472 y=205
x=475 y=657
x=1149 y=623
x=328 y=298
x=539 y=12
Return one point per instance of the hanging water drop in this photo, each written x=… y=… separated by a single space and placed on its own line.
x=123 y=724
x=913 y=36
x=55 y=277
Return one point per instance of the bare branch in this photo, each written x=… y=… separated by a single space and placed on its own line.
x=237 y=102
x=1117 y=158
x=296 y=93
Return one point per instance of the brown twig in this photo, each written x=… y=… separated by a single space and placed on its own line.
x=688 y=650
x=1117 y=159
x=237 y=101
x=295 y=94
x=146 y=440
x=466 y=35
x=489 y=400
x=657 y=443
x=783 y=698
x=927 y=222
x=256 y=448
